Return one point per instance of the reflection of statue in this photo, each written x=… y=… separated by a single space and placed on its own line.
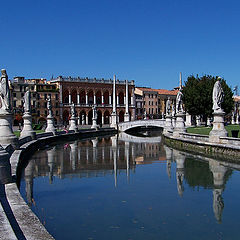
x=218 y=204
x=168 y=106
x=180 y=177
x=217 y=96
x=179 y=104
x=4 y=91
x=27 y=101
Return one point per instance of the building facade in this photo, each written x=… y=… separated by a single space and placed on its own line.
x=151 y=103
x=86 y=93
x=40 y=91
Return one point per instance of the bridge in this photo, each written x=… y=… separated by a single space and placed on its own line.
x=124 y=126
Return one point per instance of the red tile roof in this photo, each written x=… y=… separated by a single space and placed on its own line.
x=159 y=91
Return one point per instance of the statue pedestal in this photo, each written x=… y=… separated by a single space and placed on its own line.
x=180 y=126
x=6 y=133
x=218 y=127
x=50 y=124
x=114 y=121
x=94 y=124
x=27 y=126
x=126 y=117
x=168 y=125
x=73 y=125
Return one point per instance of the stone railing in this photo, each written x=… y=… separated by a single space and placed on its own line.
x=90 y=80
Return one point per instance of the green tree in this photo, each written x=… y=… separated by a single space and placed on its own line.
x=197 y=95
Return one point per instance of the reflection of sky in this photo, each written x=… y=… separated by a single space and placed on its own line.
x=145 y=205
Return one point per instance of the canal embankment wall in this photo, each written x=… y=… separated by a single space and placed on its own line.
x=16 y=218
x=227 y=147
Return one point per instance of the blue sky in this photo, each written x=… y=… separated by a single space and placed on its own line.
x=149 y=41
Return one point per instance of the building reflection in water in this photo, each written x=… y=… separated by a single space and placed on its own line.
x=120 y=154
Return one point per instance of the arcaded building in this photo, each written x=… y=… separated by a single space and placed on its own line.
x=86 y=93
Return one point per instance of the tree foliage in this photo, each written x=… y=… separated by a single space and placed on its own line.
x=197 y=95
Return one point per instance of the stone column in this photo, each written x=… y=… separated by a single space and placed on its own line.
x=237 y=118
x=114 y=111
x=94 y=99
x=78 y=99
x=110 y=99
x=117 y=100
x=126 y=116
x=86 y=119
x=86 y=99
x=69 y=98
x=102 y=99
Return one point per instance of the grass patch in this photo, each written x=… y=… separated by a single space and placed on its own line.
x=17 y=133
x=206 y=130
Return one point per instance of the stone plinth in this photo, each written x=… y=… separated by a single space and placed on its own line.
x=6 y=133
x=180 y=125
x=72 y=124
x=50 y=125
x=27 y=126
x=168 y=125
x=218 y=127
x=126 y=117
x=114 y=121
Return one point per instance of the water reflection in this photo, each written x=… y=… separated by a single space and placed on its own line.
x=120 y=155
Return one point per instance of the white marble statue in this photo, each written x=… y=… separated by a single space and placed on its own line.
x=168 y=106
x=4 y=91
x=72 y=110
x=173 y=109
x=27 y=101
x=217 y=96
x=49 y=104
x=179 y=104
x=94 y=112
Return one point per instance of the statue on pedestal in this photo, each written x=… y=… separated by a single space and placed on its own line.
x=72 y=110
x=168 y=106
x=27 y=101
x=217 y=96
x=4 y=91
x=179 y=104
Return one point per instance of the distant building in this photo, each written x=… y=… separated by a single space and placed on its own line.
x=40 y=90
x=86 y=92
x=152 y=101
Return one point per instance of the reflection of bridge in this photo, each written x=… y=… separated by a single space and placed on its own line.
x=124 y=126
x=130 y=138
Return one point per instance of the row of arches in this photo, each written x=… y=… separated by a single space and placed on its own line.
x=85 y=118
x=91 y=97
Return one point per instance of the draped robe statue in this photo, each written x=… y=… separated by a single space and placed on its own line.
x=4 y=91
x=27 y=101
x=217 y=96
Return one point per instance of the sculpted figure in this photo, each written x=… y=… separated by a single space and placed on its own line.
x=179 y=105
x=168 y=106
x=94 y=112
x=27 y=101
x=4 y=91
x=217 y=96
x=173 y=110
x=49 y=104
x=73 y=110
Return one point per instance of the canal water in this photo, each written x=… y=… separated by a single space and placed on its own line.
x=131 y=187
